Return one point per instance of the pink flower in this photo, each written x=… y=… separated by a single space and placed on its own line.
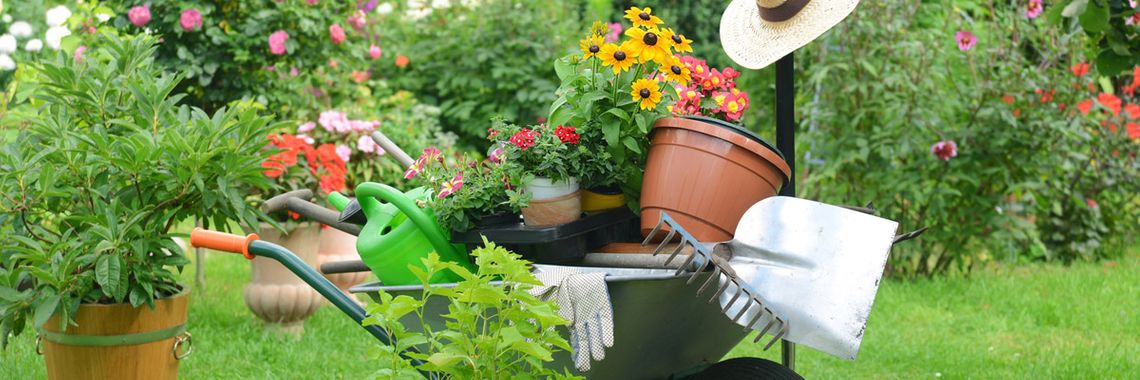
x=139 y=15
x=1033 y=9
x=1091 y=202
x=944 y=150
x=1133 y=20
x=308 y=139
x=293 y=71
x=79 y=53
x=966 y=40
x=497 y=156
x=336 y=33
x=190 y=20
x=374 y=52
x=357 y=20
x=431 y=153
x=334 y=121
x=361 y=76
x=615 y=32
x=343 y=151
x=415 y=169
x=277 y=42
x=312 y=2
x=304 y=128
x=367 y=145
x=451 y=186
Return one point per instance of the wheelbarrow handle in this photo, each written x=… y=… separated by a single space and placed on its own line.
x=251 y=246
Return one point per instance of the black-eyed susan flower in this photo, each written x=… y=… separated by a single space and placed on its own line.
x=679 y=42
x=647 y=93
x=648 y=45
x=619 y=57
x=642 y=17
x=591 y=46
x=676 y=71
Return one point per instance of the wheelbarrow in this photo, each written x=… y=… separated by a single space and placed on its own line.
x=661 y=329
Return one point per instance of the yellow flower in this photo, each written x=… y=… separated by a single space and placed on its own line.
x=647 y=92
x=642 y=17
x=648 y=45
x=679 y=42
x=620 y=57
x=591 y=46
x=676 y=71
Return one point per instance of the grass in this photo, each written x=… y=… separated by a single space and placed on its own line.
x=1039 y=321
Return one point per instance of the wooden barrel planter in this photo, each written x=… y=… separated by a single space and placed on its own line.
x=119 y=341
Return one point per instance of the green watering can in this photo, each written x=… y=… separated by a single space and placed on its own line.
x=399 y=233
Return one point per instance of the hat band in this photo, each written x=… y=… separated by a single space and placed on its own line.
x=781 y=12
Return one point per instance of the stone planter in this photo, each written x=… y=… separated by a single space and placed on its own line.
x=275 y=294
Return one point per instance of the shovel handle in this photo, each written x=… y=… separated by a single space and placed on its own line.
x=221 y=241
x=384 y=142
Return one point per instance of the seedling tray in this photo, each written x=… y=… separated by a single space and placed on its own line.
x=561 y=244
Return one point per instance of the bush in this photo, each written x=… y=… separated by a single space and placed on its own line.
x=891 y=91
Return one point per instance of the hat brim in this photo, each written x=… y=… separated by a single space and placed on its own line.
x=754 y=43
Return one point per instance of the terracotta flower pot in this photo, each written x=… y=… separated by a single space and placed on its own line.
x=706 y=175
x=553 y=203
x=336 y=245
x=275 y=294
x=119 y=341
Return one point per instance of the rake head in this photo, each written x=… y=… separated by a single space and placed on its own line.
x=714 y=258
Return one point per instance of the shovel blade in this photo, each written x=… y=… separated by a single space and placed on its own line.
x=816 y=265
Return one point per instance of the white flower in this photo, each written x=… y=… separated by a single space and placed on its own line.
x=6 y=63
x=102 y=17
x=384 y=9
x=54 y=35
x=34 y=45
x=58 y=15
x=6 y=18
x=20 y=29
x=440 y=4
x=8 y=44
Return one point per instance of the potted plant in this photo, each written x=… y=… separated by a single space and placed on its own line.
x=548 y=160
x=613 y=92
x=701 y=144
x=466 y=193
x=106 y=166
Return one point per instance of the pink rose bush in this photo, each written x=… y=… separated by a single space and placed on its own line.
x=190 y=20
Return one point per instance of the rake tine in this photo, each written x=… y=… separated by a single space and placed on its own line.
x=715 y=275
x=783 y=329
x=734 y=297
x=653 y=232
x=755 y=319
x=680 y=247
x=747 y=303
x=665 y=241
x=695 y=272
x=765 y=330
x=721 y=291
x=692 y=256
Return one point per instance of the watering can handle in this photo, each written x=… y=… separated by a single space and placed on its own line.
x=430 y=229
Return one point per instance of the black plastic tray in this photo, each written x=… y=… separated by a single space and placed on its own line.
x=560 y=244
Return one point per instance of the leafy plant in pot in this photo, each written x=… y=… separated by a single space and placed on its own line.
x=548 y=161
x=614 y=91
x=466 y=193
x=106 y=165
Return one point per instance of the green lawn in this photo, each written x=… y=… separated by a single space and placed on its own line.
x=1041 y=321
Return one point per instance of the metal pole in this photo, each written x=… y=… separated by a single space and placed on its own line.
x=786 y=143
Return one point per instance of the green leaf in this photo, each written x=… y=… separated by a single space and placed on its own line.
x=1111 y=64
x=611 y=131
x=1073 y=9
x=45 y=309
x=624 y=116
x=1095 y=18
x=10 y=295
x=533 y=349
x=631 y=144
x=444 y=359
x=107 y=273
x=564 y=68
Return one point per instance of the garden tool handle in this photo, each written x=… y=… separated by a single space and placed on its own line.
x=350 y=266
x=221 y=241
x=430 y=229
x=279 y=202
x=390 y=147
x=321 y=215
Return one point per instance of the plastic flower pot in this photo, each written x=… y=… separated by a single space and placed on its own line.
x=602 y=199
x=706 y=173
x=552 y=203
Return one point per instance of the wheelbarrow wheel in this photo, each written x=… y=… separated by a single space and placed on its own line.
x=747 y=369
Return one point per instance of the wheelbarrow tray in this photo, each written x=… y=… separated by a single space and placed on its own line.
x=661 y=329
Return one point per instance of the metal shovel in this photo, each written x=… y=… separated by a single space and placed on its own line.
x=809 y=268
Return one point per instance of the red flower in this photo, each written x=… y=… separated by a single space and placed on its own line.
x=1133 y=111
x=402 y=61
x=730 y=73
x=944 y=150
x=1091 y=203
x=1133 y=130
x=1084 y=106
x=1080 y=69
x=1110 y=101
x=566 y=134
x=524 y=139
x=1046 y=96
x=273 y=169
x=1017 y=112
x=1008 y=99
x=491 y=133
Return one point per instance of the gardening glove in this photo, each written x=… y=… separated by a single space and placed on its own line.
x=584 y=300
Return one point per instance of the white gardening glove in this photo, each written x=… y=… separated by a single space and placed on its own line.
x=593 y=328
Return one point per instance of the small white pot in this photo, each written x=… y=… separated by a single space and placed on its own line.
x=543 y=188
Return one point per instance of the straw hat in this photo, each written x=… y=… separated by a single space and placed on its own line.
x=756 y=33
